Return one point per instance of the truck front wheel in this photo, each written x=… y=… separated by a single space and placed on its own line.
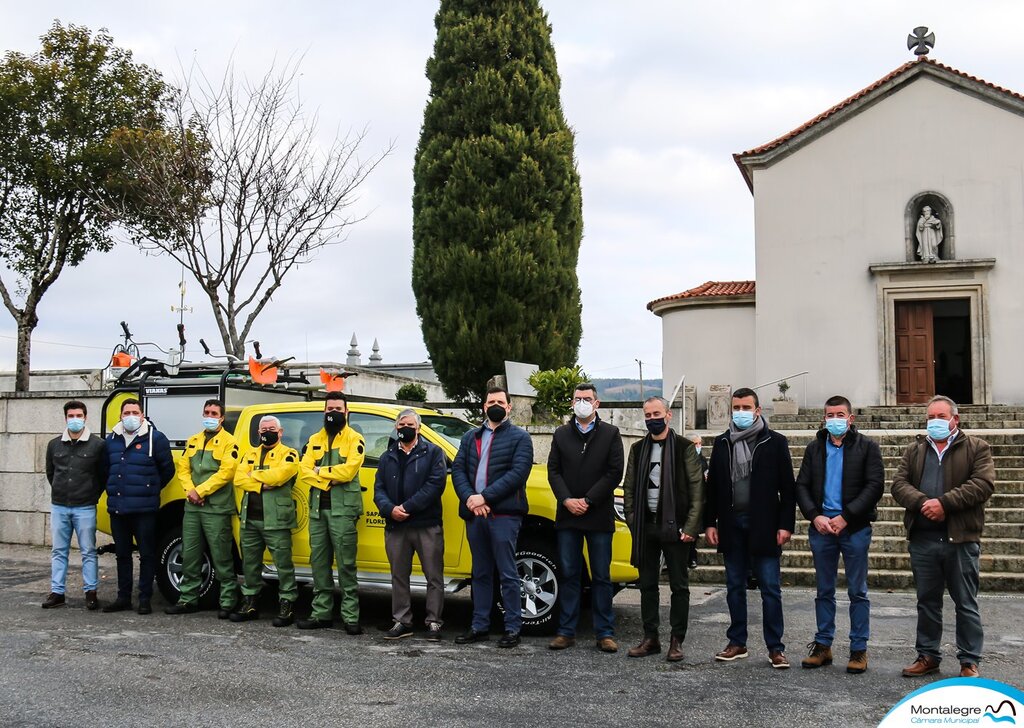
x=168 y=570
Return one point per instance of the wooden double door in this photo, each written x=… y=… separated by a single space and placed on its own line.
x=933 y=350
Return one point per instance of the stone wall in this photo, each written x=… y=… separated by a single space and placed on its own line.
x=28 y=421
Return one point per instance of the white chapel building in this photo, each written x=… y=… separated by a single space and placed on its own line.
x=857 y=283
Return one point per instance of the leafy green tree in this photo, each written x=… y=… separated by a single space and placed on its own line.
x=497 y=218
x=555 y=388
x=59 y=112
x=411 y=392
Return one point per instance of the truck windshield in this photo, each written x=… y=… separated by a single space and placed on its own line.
x=450 y=428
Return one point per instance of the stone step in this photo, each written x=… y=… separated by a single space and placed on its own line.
x=895 y=528
x=796 y=559
x=1012 y=500
x=991 y=581
x=898 y=545
x=993 y=515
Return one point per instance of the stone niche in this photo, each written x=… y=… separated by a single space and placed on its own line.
x=690 y=398
x=942 y=210
x=719 y=405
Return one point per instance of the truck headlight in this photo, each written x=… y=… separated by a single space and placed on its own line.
x=620 y=508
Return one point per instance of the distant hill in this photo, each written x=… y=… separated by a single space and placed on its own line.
x=622 y=389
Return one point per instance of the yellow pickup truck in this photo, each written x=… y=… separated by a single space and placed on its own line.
x=174 y=405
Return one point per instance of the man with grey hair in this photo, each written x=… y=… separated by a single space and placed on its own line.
x=407 y=490
x=265 y=476
x=944 y=481
x=663 y=498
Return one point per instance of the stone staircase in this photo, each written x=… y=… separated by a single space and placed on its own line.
x=1002 y=548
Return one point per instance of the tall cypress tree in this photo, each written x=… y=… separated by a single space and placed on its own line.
x=497 y=217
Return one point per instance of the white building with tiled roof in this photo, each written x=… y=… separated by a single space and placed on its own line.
x=842 y=289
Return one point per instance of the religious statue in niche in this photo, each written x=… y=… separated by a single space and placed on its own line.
x=929 y=236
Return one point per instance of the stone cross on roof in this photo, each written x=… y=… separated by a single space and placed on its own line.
x=920 y=41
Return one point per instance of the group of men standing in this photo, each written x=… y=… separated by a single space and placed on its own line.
x=744 y=500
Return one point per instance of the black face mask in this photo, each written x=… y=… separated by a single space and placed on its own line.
x=406 y=434
x=656 y=427
x=269 y=439
x=496 y=413
x=334 y=422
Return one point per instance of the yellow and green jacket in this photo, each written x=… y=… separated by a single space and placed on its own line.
x=277 y=469
x=339 y=461
x=208 y=465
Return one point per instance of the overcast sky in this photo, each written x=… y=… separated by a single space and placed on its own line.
x=660 y=94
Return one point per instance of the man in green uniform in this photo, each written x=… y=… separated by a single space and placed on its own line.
x=330 y=465
x=206 y=471
x=266 y=475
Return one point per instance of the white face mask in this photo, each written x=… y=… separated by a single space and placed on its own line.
x=583 y=409
x=697 y=448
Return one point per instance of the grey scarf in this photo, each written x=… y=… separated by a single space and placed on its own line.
x=741 y=441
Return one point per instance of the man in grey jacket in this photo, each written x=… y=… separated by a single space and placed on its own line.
x=76 y=467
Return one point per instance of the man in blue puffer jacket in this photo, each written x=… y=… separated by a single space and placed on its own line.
x=140 y=466
x=489 y=476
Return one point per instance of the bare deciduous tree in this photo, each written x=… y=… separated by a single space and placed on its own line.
x=241 y=192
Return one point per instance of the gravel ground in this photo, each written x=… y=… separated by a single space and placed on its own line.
x=72 y=667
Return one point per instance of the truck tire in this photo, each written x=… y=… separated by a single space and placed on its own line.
x=168 y=570
x=539 y=578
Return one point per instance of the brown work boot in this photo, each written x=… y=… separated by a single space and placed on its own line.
x=607 y=644
x=969 y=669
x=778 y=659
x=923 y=665
x=53 y=600
x=647 y=646
x=91 y=602
x=732 y=652
x=818 y=655
x=561 y=641
x=858 y=662
x=675 y=650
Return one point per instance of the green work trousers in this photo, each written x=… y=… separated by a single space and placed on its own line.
x=279 y=541
x=214 y=531
x=677 y=554
x=332 y=537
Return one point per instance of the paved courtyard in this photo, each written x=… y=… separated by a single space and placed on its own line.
x=71 y=667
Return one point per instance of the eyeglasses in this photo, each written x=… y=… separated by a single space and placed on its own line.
x=583 y=399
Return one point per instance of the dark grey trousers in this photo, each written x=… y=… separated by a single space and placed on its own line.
x=939 y=565
x=428 y=544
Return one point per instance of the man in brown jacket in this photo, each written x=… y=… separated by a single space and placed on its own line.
x=943 y=481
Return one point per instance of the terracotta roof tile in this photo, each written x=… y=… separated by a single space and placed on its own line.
x=711 y=289
x=867 y=90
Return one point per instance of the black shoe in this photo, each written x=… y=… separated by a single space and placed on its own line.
x=91 y=602
x=225 y=612
x=144 y=607
x=472 y=636
x=353 y=629
x=179 y=608
x=314 y=624
x=246 y=612
x=509 y=639
x=398 y=631
x=118 y=605
x=284 y=616
x=53 y=600
x=434 y=632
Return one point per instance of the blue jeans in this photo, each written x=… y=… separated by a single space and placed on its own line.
x=738 y=562
x=570 y=560
x=492 y=542
x=64 y=520
x=142 y=528
x=854 y=548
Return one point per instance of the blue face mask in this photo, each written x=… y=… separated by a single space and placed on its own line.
x=938 y=429
x=211 y=424
x=743 y=419
x=76 y=424
x=131 y=423
x=837 y=426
